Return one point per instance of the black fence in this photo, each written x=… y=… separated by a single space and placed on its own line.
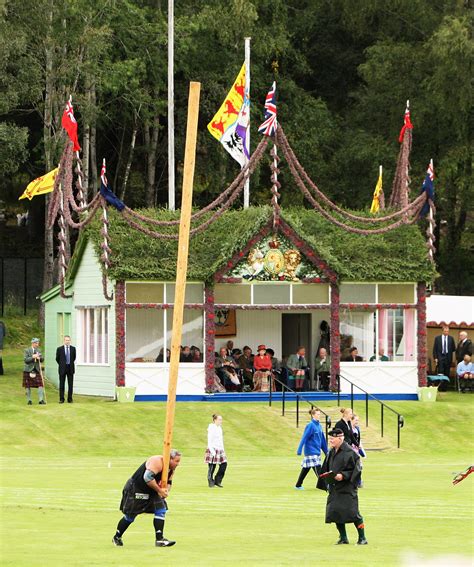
x=21 y=281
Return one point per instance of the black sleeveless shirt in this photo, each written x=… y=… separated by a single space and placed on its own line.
x=141 y=485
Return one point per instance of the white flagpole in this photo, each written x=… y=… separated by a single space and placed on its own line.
x=247 y=92
x=171 y=180
x=431 y=223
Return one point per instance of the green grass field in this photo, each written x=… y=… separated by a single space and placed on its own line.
x=63 y=468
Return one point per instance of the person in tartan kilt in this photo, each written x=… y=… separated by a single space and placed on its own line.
x=32 y=371
x=215 y=453
x=314 y=442
x=143 y=493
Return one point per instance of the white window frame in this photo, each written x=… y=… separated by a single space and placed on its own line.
x=83 y=318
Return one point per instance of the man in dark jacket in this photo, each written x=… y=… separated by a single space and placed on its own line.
x=443 y=350
x=65 y=357
x=343 y=467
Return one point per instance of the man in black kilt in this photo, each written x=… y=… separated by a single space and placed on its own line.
x=343 y=469
x=143 y=494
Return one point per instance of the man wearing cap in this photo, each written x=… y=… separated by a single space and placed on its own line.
x=65 y=357
x=32 y=372
x=343 y=469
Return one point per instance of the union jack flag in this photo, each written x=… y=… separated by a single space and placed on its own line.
x=270 y=124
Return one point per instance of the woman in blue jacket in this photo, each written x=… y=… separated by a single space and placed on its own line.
x=314 y=442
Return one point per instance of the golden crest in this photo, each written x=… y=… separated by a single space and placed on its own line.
x=274 y=262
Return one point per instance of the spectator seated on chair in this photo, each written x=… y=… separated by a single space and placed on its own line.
x=159 y=358
x=246 y=367
x=465 y=372
x=185 y=354
x=196 y=354
x=382 y=357
x=263 y=367
x=297 y=366
x=353 y=356
x=226 y=370
x=322 y=370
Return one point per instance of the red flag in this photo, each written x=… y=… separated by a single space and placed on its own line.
x=407 y=125
x=70 y=125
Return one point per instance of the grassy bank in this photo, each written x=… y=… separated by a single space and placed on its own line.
x=63 y=468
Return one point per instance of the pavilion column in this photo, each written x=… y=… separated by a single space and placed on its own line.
x=210 y=335
x=421 y=333
x=120 y=333
x=335 y=346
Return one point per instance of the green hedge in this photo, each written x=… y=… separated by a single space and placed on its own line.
x=399 y=255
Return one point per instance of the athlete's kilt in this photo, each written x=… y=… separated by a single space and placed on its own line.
x=29 y=382
x=218 y=458
x=134 y=502
x=311 y=461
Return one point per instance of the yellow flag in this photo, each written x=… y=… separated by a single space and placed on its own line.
x=41 y=185
x=375 y=201
x=230 y=124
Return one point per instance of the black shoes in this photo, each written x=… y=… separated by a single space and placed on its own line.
x=30 y=403
x=163 y=542
x=219 y=485
x=42 y=403
x=117 y=541
x=342 y=541
x=211 y=483
x=61 y=401
x=362 y=541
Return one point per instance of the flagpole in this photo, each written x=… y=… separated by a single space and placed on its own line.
x=171 y=178
x=80 y=193
x=431 y=223
x=247 y=92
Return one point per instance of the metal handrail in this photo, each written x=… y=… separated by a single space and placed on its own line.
x=286 y=388
x=400 y=418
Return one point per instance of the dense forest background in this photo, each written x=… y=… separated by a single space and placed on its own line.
x=344 y=70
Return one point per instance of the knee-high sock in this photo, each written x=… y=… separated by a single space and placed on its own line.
x=303 y=473
x=122 y=526
x=159 y=525
x=341 y=528
x=360 y=527
x=28 y=394
x=40 y=393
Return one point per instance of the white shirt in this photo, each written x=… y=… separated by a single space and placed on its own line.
x=215 y=437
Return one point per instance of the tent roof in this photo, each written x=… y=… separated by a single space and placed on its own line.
x=454 y=310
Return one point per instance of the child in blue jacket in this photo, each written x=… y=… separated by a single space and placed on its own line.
x=314 y=442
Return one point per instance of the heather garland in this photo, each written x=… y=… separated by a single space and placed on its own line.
x=405 y=220
x=210 y=342
x=120 y=333
x=291 y=158
x=335 y=344
x=421 y=335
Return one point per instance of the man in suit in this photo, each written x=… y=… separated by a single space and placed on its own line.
x=443 y=350
x=464 y=347
x=65 y=357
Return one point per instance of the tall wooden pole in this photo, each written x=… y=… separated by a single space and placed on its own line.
x=171 y=179
x=182 y=266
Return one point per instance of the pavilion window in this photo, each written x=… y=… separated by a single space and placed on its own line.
x=92 y=335
x=397 y=334
x=358 y=330
x=144 y=334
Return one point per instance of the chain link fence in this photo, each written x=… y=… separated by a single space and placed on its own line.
x=21 y=282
